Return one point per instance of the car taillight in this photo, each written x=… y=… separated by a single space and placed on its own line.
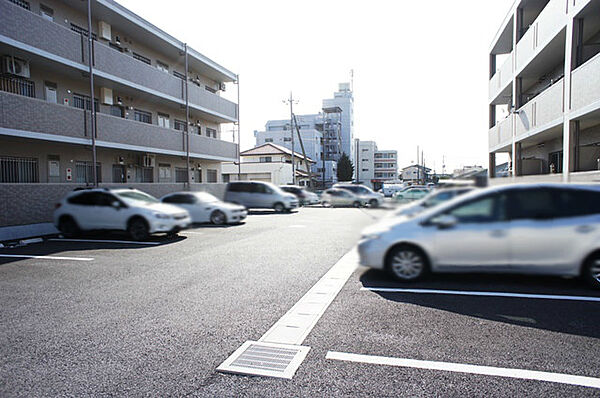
x=56 y=206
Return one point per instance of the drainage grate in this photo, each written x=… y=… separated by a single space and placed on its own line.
x=265 y=359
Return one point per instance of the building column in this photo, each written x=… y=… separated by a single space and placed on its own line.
x=567 y=124
x=492 y=165
x=518 y=164
x=515 y=36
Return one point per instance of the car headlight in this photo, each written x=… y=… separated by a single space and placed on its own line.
x=162 y=215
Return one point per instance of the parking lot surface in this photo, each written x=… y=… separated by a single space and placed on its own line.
x=104 y=316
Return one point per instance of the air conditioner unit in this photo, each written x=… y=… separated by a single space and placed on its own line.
x=15 y=66
x=148 y=161
x=222 y=86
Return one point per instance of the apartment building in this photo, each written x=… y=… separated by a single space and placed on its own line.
x=375 y=167
x=544 y=89
x=342 y=104
x=139 y=95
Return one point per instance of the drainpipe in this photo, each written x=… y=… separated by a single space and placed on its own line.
x=187 y=121
x=93 y=107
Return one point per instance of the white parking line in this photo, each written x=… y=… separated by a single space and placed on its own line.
x=47 y=257
x=483 y=294
x=563 y=378
x=296 y=226
x=104 y=241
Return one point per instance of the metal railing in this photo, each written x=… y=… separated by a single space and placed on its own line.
x=17 y=86
x=18 y=170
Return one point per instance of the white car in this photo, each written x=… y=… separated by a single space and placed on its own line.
x=336 y=197
x=373 y=199
x=118 y=209
x=549 y=229
x=433 y=199
x=204 y=207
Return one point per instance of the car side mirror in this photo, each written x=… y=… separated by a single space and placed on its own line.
x=444 y=221
x=116 y=204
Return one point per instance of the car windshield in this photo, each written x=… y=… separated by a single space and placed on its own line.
x=136 y=196
x=205 y=197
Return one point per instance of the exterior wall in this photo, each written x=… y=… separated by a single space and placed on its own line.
x=34 y=203
x=276 y=173
x=366 y=159
x=344 y=99
x=386 y=165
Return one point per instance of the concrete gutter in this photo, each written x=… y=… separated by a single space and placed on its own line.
x=21 y=232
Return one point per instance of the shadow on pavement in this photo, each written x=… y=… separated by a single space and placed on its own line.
x=572 y=317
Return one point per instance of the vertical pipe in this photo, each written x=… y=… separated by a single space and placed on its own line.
x=93 y=106
x=187 y=121
x=238 y=128
x=292 y=127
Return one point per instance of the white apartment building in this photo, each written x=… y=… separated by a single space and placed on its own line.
x=375 y=167
x=344 y=100
x=544 y=89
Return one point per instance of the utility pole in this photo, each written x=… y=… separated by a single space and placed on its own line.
x=92 y=107
x=357 y=141
x=291 y=102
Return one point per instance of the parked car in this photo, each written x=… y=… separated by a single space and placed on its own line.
x=373 y=199
x=433 y=199
x=523 y=228
x=304 y=196
x=118 y=209
x=411 y=194
x=337 y=197
x=389 y=190
x=260 y=195
x=204 y=207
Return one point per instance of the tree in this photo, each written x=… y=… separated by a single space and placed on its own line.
x=345 y=168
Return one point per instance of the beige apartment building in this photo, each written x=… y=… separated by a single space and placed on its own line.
x=544 y=90
x=140 y=97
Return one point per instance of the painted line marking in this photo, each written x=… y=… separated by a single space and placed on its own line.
x=296 y=226
x=191 y=232
x=104 y=241
x=47 y=257
x=326 y=290
x=562 y=378
x=483 y=294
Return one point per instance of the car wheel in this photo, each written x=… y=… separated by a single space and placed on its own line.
x=356 y=204
x=325 y=204
x=406 y=263
x=279 y=207
x=217 y=217
x=591 y=271
x=138 y=229
x=373 y=203
x=68 y=226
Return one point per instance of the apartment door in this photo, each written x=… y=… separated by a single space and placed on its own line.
x=556 y=159
x=118 y=173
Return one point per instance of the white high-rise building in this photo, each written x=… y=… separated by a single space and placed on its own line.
x=344 y=99
x=375 y=166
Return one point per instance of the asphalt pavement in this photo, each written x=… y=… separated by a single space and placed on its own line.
x=117 y=318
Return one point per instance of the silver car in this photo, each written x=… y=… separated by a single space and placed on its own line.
x=373 y=199
x=549 y=229
x=260 y=195
x=433 y=199
x=335 y=197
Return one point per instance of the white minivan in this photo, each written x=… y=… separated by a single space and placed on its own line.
x=260 y=195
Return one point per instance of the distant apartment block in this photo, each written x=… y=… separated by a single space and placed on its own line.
x=343 y=99
x=375 y=167
x=139 y=94
x=544 y=88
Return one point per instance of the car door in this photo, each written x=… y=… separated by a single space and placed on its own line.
x=188 y=202
x=344 y=198
x=479 y=241
x=106 y=215
x=81 y=208
x=550 y=228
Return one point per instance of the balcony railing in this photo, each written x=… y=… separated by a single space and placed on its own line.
x=501 y=78
x=501 y=134
x=585 y=84
x=30 y=114
x=542 y=110
x=31 y=29
x=17 y=86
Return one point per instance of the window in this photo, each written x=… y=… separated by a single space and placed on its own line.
x=211 y=175
x=181 y=199
x=83 y=102
x=82 y=31
x=47 y=13
x=143 y=116
x=179 y=75
x=365 y=150
x=487 y=209
x=118 y=173
x=162 y=66
x=179 y=125
x=226 y=177
x=21 y=3
x=211 y=132
x=18 y=170
x=163 y=120
x=84 y=199
x=50 y=92
x=578 y=202
x=365 y=160
x=164 y=172
x=287 y=139
x=181 y=174
x=532 y=204
x=365 y=169
x=117 y=111
x=266 y=159
x=208 y=88
x=140 y=57
x=84 y=173
x=268 y=139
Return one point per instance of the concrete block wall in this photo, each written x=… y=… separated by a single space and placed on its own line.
x=22 y=204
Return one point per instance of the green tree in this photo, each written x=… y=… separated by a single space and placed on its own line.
x=345 y=168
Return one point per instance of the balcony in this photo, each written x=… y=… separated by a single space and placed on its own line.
x=550 y=21
x=69 y=124
x=542 y=112
x=585 y=86
x=500 y=136
x=501 y=79
x=51 y=40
